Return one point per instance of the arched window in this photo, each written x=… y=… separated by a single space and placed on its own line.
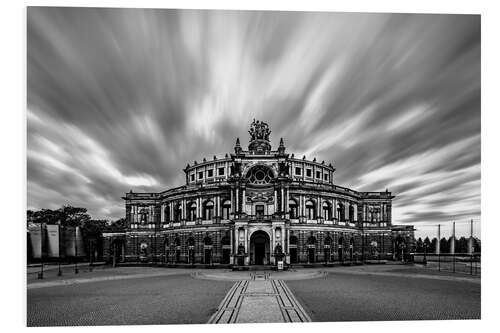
x=208 y=210
x=310 y=210
x=143 y=216
x=311 y=240
x=293 y=240
x=226 y=240
x=341 y=212
x=207 y=240
x=327 y=211
x=328 y=240
x=226 y=209
x=178 y=212
x=293 y=207
x=351 y=212
x=190 y=241
x=191 y=211
x=166 y=213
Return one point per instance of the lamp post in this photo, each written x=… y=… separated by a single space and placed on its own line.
x=425 y=253
x=76 y=253
x=59 y=272
x=40 y=274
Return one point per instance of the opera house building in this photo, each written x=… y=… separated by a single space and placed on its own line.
x=257 y=206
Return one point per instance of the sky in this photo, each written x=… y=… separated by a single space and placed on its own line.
x=121 y=99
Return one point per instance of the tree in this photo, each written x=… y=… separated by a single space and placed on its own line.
x=433 y=246
x=118 y=225
x=73 y=216
x=444 y=246
x=420 y=245
x=427 y=243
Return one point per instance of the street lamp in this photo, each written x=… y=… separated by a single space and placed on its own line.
x=76 y=253
x=425 y=253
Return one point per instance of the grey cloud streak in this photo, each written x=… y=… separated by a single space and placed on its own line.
x=122 y=99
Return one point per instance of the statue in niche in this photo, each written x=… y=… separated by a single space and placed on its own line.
x=278 y=249
x=241 y=249
x=283 y=169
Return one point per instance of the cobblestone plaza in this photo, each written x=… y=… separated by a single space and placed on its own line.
x=127 y=295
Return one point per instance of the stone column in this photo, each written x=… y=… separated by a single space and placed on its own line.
x=183 y=209
x=243 y=200
x=237 y=200
x=198 y=208
x=318 y=207
x=246 y=241
x=282 y=201
x=287 y=200
x=302 y=204
x=219 y=211
x=275 y=201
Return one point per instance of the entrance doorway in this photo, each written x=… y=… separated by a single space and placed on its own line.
x=259 y=248
x=310 y=254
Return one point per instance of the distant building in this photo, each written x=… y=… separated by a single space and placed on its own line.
x=254 y=206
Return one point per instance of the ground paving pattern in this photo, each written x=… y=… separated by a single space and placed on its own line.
x=169 y=296
x=259 y=299
x=388 y=294
x=167 y=299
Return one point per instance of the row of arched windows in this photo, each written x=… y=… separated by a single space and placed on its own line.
x=311 y=240
x=191 y=242
x=327 y=212
x=207 y=211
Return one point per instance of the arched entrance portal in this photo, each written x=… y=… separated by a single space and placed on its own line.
x=259 y=248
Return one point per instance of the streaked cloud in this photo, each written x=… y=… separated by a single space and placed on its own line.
x=122 y=99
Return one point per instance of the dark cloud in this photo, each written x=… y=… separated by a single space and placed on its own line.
x=125 y=98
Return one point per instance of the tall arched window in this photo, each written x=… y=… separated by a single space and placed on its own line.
x=226 y=209
x=166 y=213
x=143 y=216
x=178 y=212
x=341 y=212
x=191 y=211
x=351 y=212
x=293 y=207
x=327 y=211
x=207 y=240
x=310 y=210
x=208 y=210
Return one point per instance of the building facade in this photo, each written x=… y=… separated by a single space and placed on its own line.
x=254 y=206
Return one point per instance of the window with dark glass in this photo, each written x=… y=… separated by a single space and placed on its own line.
x=191 y=211
x=308 y=172
x=318 y=174
x=208 y=210
x=259 y=211
x=200 y=175
x=327 y=211
x=293 y=207
x=226 y=208
x=310 y=210
x=298 y=171
x=221 y=171
x=192 y=177
x=210 y=173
